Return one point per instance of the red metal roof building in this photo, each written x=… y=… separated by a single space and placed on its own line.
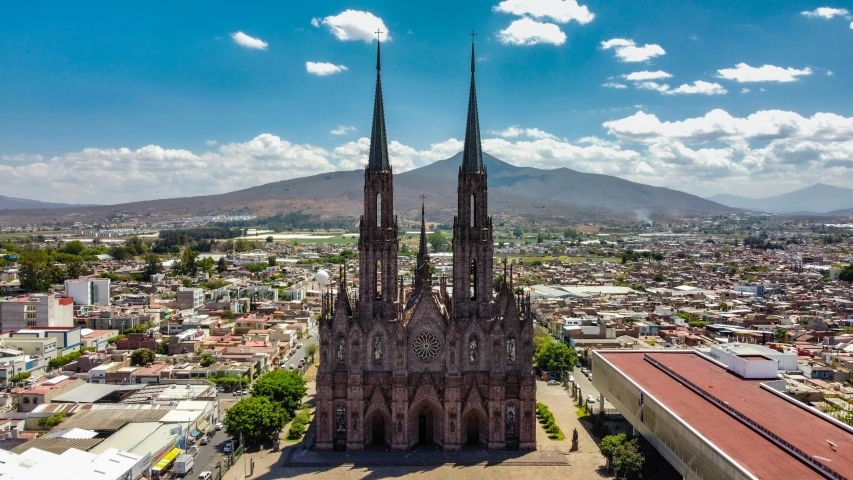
x=711 y=423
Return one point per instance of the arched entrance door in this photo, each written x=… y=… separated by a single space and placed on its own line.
x=378 y=429
x=473 y=429
x=426 y=426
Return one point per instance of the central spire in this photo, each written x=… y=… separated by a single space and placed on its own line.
x=422 y=268
x=472 y=154
x=378 y=159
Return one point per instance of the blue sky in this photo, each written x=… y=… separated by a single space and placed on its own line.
x=110 y=102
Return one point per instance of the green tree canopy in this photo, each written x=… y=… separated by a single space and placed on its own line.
x=227 y=315
x=74 y=247
x=438 y=242
x=627 y=459
x=142 y=356
x=282 y=386
x=188 y=265
x=221 y=266
x=256 y=267
x=207 y=360
x=36 y=270
x=609 y=444
x=311 y=350
x=152 y=266
x=555 y=357
x=257 y=419
x=846 y=273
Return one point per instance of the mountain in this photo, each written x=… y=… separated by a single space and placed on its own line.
x=513 y=191
x=12 y=203
x=819 y=198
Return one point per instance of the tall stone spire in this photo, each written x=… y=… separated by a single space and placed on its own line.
x=422 y=248
x=422 y=268
x=472 y=154
x=378 y=159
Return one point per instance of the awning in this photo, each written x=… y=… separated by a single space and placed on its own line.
x=167 y=459
x=195 y=433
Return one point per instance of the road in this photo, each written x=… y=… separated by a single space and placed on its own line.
x=587 y=388
x=300 y=351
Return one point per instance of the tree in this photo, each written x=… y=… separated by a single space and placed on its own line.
x=517 y=232
x=143 y=356
x=152 y=267
x=188 y=265
x=256 y=267
x=780 y=335
x=438 y=242
x=846 y=274
x=206 y=264
x=74 y=267
x=556 y=357
x=539 y=238
x=627 y=459
x=19 y=377
x=256 y=419
x=35 y=269
x=659 y=277
x=227 y=315
x=135 y=246
x=281 y=386
x=271 y=260
x=119 y=253
x=221 y=266
x=49 y=422
x=74 y=247
x=311 y=350
x=270 y=239
x=207 y=360
x=609 y=444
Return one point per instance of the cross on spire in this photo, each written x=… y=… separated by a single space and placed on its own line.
x=378 y=32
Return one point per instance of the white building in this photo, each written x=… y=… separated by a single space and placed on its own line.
x=733 y=355
x=89 y=291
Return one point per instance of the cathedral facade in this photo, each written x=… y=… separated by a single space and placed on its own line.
x=402 y=367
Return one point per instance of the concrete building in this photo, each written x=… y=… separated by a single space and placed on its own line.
x=89 y=291
x=44 y=346
x=38 y=310
x=68 y=339
x=73 y=464
x=47 y=391
x=710 y=422
x=189 y=298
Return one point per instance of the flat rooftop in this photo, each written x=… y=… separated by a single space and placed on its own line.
x=798 y=426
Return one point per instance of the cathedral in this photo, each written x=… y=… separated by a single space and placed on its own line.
x=403 y=366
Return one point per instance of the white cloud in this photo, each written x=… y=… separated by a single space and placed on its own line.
x=210 y=143
x=628 y=51
x=827 y=13
x=323 y=68
x=516 y=131
x=851 y=25
x=744 y=90
x=560 y=11
x=829 y=73
x=315 y=22
x=646 y=75
x=356 y=25
x=244 y=40
x=698 y=87
x=525 y=31
x=342 y=130
x=743 y=73
x=615 y=85
x=96 y=175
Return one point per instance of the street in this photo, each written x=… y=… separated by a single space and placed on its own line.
x=300 y=351
x=587 y=389
x=209 y=454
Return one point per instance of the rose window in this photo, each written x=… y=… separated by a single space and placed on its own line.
x=425 y=346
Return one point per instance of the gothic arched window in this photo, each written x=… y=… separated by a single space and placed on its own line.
x=377 y=350
x=510 y=350
x=378 y=278
x=473 y=351
x=473 y=280
x=341 y=418
x=378 y=209
x=340 y=353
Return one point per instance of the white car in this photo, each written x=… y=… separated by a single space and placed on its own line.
x=590 y=399
x=218 y=426
x=205 y=475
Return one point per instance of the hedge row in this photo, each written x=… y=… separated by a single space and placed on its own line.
x=546 y=418
x=299 y=425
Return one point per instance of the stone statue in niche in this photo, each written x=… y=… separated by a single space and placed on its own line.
x=340 y=355
x=354 y=422
x=510 y=419
x=399 y=424
x=510 y=350
x=452 y=357
x=452 y=426
x=377 y=350
x=497 y=421
x=472 y=351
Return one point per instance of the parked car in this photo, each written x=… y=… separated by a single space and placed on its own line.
x=204 y=440
x=589 y=376
x=291 y=367
x=572 y=378
x=218 y=426
x=590 y=399
x=227 y=447
x=553 y=382
x=584 y=371
x=300 y=345
x=205 y=475
x=220 y=389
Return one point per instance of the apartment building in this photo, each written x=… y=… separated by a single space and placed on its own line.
x=89 y=291
x=37 y=310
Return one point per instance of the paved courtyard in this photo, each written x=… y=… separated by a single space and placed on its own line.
x=552 y=460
